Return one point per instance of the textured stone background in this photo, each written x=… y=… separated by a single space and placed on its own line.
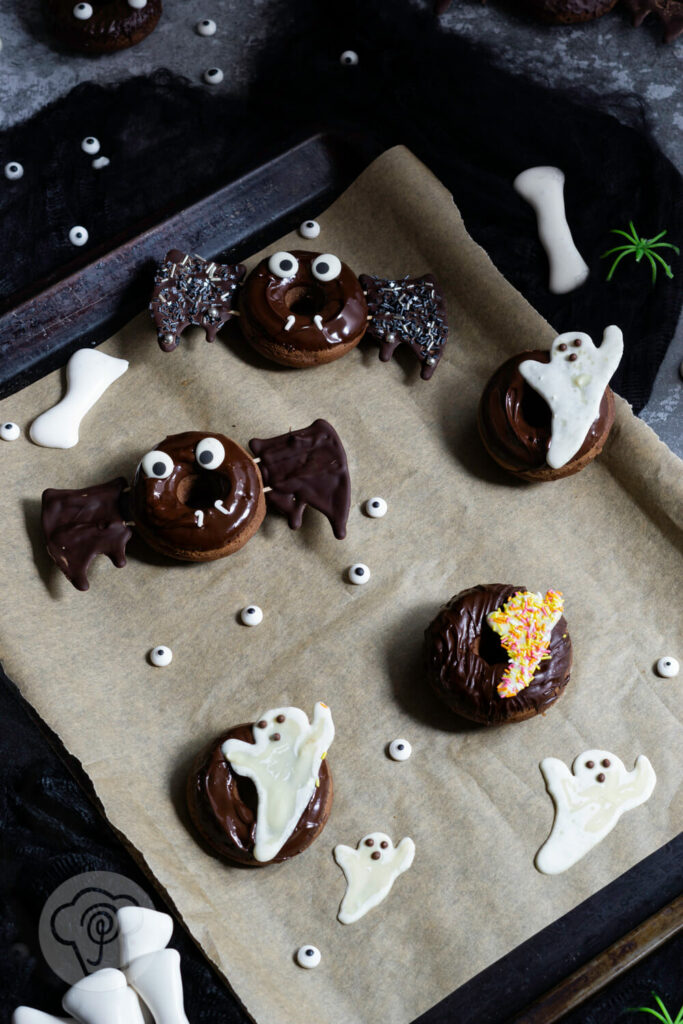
x=607 y=56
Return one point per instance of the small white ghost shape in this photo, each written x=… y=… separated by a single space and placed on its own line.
x=369 y=877
x=573 y=383
x=283 y=763
x=589 y=801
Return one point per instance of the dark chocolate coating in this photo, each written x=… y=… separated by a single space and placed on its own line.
x=268 y=300
x=567 y=12
x=164 y=510
x=114 y=24
x=410 y=311
x=224 y=805
x=80 y=524
x=307 y=467
x=669 y=12
x=466 y=660
x=189 y=290
x=515 y=420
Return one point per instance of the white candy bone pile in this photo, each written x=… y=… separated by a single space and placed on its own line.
x=589 y=801
x=573 y=383
x=149 y=972
x=88 y=375
x=283 y=763
x=543 y=189
x=370 y=870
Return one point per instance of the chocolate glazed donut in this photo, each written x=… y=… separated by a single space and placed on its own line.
x=102 y=26
x=197 y=497
x=514 y=424
x=223 y=805
x=466 y=660
x=303 y=308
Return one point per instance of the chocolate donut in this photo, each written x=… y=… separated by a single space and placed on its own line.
x=466 y=660
x=515 y=424
x=568 y=12
x=197 y=497
x=223 y=804
x=102 y=26
x=303 y=308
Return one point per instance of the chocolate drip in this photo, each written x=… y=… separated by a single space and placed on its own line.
x=79 y=525
x=307 y=467
x=516 y=420
x=669 y=12
x=466 y=660
x=189 y=290
x=410 y=312
x=224 y=806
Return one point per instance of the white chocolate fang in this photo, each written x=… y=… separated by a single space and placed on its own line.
x=543 y=189
x=221 y=507
x=199 y=517
x=88 y=375
x=318 y=321
x=290 y=322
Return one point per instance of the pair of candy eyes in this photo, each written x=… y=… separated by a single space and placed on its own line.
x=325 y=267
x=159 y=465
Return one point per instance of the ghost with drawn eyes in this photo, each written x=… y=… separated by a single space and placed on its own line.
x=371 y=870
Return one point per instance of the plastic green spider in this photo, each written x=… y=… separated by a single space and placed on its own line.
x=640 y=247
x=664 y=1016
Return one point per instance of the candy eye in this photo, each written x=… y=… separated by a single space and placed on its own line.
x=82 y=11
x=157 y=465
x=209 y=453
x=90 y=145
x=326 y=267
x=309 y=229
x=14 y=171
x=359 y=573
x=348 y=58
x=78 y=235
x=308 y=956
x=283 y=264
x=206 y=27
x=400 y=750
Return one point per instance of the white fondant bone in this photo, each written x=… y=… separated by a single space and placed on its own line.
x=156 y=979
x=368 y=881
x=573 y=387
x=27 y=1015
x=142 y=931
x=103 y=998
x=284 y=771
x=587 y=810
x=543 y=189
x=88 y=375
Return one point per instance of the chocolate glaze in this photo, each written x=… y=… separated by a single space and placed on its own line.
x=164 y=510
x=669 y=12
x=224 y=805
x=267 y=301
x=80 y=524
x=567 y=12
x=114 y=24
x=307 y=467
x=466 y=660
x=189 y=290
x=515 y=419
x=410 y=311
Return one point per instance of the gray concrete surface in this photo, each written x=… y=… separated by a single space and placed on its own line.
x=608 y=56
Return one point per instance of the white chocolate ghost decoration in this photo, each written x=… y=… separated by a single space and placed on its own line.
x=283 y=763
x=371 y=870
x=543 y=189
x=88 y=375
x=573 y=383
x=588 y=803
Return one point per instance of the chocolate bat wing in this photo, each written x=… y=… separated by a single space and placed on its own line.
x=80 y=524
x=306 y=467
x=191 y=291
x=412 y=312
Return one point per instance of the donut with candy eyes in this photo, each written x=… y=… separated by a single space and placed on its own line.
x=102 y=26
x=303 y=308
x=197 y=497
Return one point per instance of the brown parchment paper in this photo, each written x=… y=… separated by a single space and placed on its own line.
x=472 y=799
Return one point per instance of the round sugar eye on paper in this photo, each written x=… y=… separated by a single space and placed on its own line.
x=668 y=667
x=213 y=76
x=10 y=431
x=326 y=267
x=161 y=656
x=14 y=171
x=309 y=229
x=90 y=145
x=206 y=27
x=359 y=573
x=83 y=12
x=349 y=58
x=157 y=465
x=78 y=235
x=283 y=264
x=251 y=615
x=400 y=750
x=308 y=956
x=376 y=508
x=209 y=453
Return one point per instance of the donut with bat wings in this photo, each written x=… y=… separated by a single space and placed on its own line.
x=300 y=308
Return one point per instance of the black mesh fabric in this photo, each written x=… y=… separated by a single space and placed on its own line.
x=474 y=125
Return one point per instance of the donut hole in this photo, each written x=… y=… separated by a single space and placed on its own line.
x=488 y=647
x=201 y=490
x=535 y=410
x=305 y=300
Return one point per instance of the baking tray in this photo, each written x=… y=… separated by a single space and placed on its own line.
x=559 y=968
